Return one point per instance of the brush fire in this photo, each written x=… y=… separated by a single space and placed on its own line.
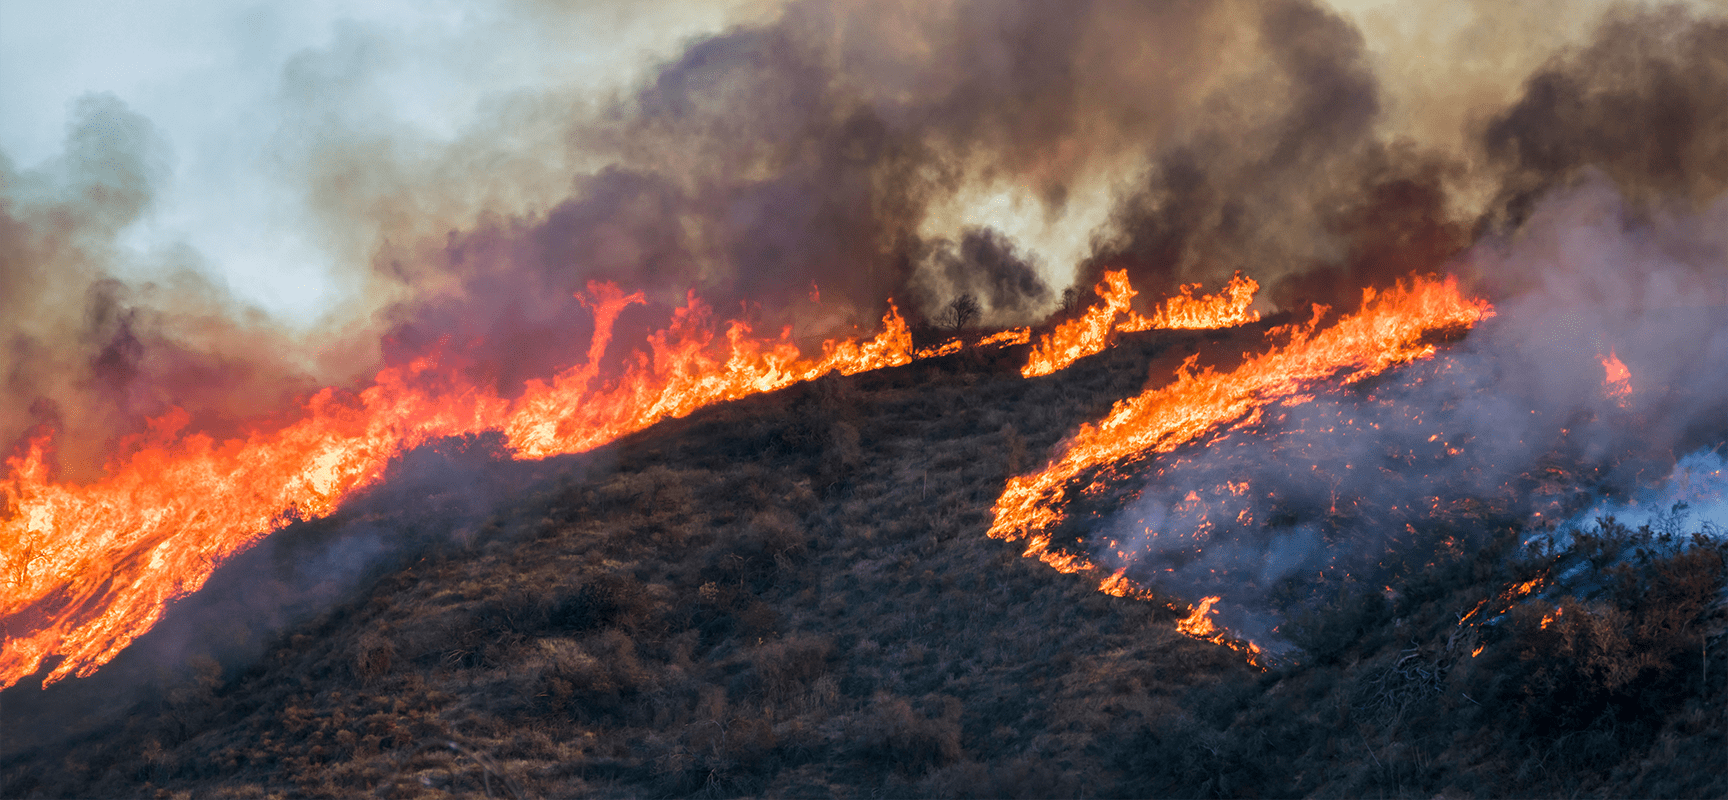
x=820 y=398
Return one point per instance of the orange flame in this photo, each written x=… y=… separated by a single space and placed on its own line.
x=1007 y=338
x=1226 y=309
x=90 y=568
x=1085 y=334
x=1198 y=624
x=1090 y=332
x=1389 y=329
x=1618 y=379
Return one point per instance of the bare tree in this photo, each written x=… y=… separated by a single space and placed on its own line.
x=962 y=311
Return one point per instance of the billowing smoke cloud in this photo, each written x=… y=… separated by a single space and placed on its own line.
x=986 y=265
x=808 y=151
x=1643 y=103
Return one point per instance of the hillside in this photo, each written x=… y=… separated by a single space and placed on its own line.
x=792 y=595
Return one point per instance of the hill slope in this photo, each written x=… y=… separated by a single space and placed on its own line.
x=792 y=595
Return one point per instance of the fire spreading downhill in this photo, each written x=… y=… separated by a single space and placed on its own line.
x=92 y=567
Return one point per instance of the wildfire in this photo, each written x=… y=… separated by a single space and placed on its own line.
x=1391 y=328
x=1226 y=309
x=1618 y=379
x=90 y=568
x=1198 y=624
x=1388 y=330
x=1090 y=332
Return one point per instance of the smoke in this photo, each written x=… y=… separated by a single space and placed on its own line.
x=90 y=351
x=1642 y=104
x=987 y=265
x=809 y=161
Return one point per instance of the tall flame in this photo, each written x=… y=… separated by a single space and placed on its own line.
x=1090 y=332
x=1389 y=329
x=1618 y=379
x=90 y=568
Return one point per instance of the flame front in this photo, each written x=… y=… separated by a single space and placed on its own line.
x=1390 y=328
x=1226 y=309
x=90 y=568
x=1090 y=332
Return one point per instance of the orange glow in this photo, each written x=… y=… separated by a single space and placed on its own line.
x=946 y=348
x=1390 y=329
x=90 y=568
x=1090 y=332
x=1007 y=338
x=1618 y=379
x=1476 y=652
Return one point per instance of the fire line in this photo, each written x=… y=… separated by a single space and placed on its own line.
x=1390 y=328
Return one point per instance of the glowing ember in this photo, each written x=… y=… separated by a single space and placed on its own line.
x=946 y=348
x=90 y=568
x=1618 y=379
x=1090 y=332
x=1007 y=338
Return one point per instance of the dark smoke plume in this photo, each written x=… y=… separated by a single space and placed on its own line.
x=1642 y=103
x=986 y=264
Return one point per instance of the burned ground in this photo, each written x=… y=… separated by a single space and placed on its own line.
x=792 y=595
